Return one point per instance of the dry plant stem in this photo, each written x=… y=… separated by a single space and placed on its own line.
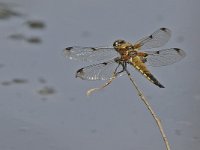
x=141 y=95
x=156 y=118
x=90 y=91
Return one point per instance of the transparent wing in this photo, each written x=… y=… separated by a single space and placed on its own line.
x=102 y=71
x=163 y=57
x=157 y=39
x=90 y=53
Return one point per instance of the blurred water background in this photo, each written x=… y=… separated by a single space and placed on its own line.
x=44 y=107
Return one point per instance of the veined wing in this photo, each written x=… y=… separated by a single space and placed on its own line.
x=90 y=53
x=141 y=67
x=164 y=57
x=102 y=71
x=157 y=39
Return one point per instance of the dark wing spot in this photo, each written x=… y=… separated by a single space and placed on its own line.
x=177 y=49
x=80 y=70
x=163 y=29
x=180 y=52
x=79 y=73
x=151 y=36
x=105 y=63
x=68 y=48
x=94 y=49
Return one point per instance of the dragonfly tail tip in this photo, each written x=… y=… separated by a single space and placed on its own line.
x=161 y=86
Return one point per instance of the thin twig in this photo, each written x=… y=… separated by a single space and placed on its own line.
x=142 y=97
x=90 y=91
x=156 y=118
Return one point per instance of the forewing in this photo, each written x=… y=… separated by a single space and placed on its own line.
x=157 y=39
x=164 y=57
x=102 y=71
x=90 y=53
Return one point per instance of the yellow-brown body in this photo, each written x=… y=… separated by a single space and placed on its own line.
x=131 y=55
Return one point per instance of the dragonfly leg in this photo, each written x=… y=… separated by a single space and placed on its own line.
x=128 y=73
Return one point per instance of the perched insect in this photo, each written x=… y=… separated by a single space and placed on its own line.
x=124 y=53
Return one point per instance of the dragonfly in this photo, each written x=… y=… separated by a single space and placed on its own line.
x=114 y=60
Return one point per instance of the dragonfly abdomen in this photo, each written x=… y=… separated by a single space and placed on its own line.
x=140 y=66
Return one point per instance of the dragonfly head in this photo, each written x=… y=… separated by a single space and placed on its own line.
x=118 y=43
x=122 y=46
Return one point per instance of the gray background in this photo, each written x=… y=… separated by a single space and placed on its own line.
x=114 y=118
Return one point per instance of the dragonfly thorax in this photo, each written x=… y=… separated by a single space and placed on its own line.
x=125 y=49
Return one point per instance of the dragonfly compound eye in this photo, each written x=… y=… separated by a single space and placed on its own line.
x=118 y=43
